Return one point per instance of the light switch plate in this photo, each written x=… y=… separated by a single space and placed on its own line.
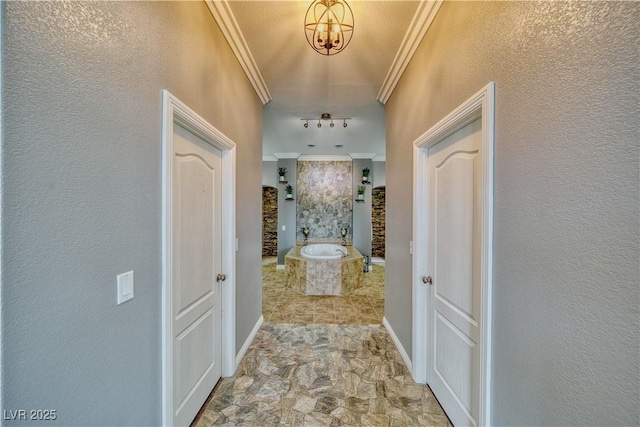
x=124 y=287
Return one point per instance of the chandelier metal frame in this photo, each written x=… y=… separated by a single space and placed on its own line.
x=328 y=26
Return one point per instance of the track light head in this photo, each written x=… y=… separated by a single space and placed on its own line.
x=319 y=124
x=331 y=125
x=344 y=123
x=306 y=124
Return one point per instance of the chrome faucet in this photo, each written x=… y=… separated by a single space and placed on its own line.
x=342 y=251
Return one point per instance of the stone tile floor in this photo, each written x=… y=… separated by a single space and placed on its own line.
x=283 y=305
x=321 y=375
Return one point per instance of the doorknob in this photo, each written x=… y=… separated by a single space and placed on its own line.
x=427 y=279
x=221 y=277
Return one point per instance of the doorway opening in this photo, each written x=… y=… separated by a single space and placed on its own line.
x=362 y=281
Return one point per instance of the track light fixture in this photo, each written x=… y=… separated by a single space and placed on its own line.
x=326 y=116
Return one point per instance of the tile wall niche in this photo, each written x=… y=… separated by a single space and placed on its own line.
x=378 y=221
x=324 y=200
x=269 y=221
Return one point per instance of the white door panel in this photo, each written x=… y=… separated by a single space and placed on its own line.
x=196 y=179
x=454 y=263
x=454 y=211
x=193 y=340
x=454 y=351
x=196 y=262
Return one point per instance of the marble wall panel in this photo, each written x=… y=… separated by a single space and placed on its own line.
x=324 y=199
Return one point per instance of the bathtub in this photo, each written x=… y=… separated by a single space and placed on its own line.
x=320 y=269
x=324 y=251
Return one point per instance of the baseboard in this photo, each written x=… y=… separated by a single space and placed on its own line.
x=396 y=341
x=249 y=340
x=280 y=267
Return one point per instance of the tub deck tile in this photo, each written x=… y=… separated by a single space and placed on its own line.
x=323 y=277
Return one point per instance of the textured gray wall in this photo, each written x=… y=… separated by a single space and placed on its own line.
x=566 y=255
x=81 y=197
x=379 y=174
x=287 y=210
x=289 y=136
x=270 y=174
x=362 y=211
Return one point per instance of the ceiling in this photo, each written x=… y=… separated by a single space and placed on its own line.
x=295 y=82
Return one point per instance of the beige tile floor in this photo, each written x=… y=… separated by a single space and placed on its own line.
x=282 y=305
x=321 y=361
x=321 y=375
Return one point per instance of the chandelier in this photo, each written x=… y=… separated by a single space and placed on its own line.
x=327 y=116
x=328 y=26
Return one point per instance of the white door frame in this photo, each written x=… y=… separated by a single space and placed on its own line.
x=1 y=186
x=175 y=111
x=481 y=105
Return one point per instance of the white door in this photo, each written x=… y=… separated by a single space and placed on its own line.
x=454 y=264
x=196 y=263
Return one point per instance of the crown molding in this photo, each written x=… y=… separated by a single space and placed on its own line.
x=427 y=10
x=362 y=155
x=325 y=158
x=223 y=15
x=286 y=155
